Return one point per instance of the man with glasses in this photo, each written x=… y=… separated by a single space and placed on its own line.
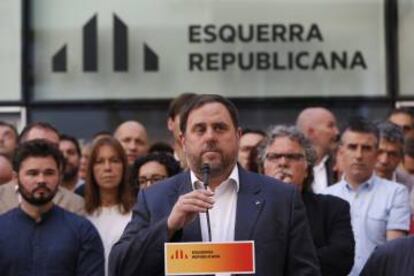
x=380 y=209
x=288 y=156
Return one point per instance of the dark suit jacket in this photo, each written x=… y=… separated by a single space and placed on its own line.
x=330 y=224
x=394 y=258
x=269 y=212
x=330 y=174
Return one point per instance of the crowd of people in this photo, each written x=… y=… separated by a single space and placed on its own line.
x=316 y=200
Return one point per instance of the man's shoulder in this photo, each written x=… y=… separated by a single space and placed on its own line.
x=8 y=196
x=268 y=186
x=77 y=222
x=329 y=200
x=11 y=185
x=69 y=201
x=387 y=186
x=9 y=214
x=402 y=247
x=403 y=177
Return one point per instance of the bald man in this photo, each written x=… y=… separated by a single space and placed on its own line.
x=134 y=139
x=6 y=169
x=319 y=126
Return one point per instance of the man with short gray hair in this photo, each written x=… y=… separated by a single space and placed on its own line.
x=390 y=154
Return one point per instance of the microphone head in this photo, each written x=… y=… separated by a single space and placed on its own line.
x=205 y=168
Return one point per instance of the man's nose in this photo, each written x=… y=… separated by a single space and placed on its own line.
x=40 y=178
x=210 y=134
x=131 y=145
x=283 y=162
x=383 y=158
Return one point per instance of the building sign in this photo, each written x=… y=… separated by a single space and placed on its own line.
x=406 y=45
x=10 y=50
x=86 y=50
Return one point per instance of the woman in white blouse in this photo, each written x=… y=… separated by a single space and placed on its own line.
x=108 y=196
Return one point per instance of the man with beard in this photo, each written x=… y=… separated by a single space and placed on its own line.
x=38 y=237
x=288 y=156
x=380 y=209
x=69 y=146
x=9 y=195
x=242 y=205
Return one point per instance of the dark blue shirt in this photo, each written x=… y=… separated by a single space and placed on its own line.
x=62 y=243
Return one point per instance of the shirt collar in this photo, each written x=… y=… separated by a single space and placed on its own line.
x=321 y=164
x=367 y=184
x=233 y=177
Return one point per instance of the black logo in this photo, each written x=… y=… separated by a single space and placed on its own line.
x=90 y=49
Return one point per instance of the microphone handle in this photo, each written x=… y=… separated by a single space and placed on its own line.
x=207 y=213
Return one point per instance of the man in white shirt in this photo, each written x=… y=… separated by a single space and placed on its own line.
x=241 y=205
x=379 y=208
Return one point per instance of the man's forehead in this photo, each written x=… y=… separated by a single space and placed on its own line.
x=4 y=128
x=43 y=133
x=214 y=110
x=390 y=144
x=66 y=144
x=358 y=137
x=40 y=162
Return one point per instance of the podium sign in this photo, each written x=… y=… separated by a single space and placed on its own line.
x=208 y=258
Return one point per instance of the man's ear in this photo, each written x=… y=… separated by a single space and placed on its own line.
x=239 y=132
x=182 y=141
x=170 y=124
x=14 y=175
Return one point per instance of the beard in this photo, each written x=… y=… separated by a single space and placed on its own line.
x=37 y=200
x=221 y=164
x=70 y=172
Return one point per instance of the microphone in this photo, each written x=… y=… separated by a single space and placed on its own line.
x=206 y=173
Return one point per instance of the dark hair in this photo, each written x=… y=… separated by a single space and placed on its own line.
x=41 y=125
x=161 y=147
x=178 y=103
x=254 y=131
x=92 y=193
x=171 y=165
x=201 y=100
x=12 y=127
x=391 y=133
x=37 y=148
x=361 y=125
x=73 y=140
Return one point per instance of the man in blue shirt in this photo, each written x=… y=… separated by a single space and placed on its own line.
x=380 y=208
x=38 y=237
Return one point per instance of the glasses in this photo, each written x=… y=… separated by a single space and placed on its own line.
x=147 y=181
x=276 y=157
